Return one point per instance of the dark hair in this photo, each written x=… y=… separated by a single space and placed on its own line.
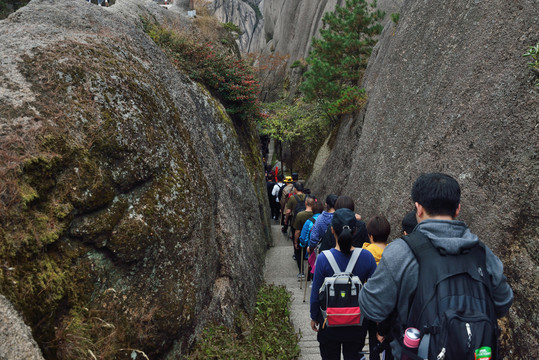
x=318 y=207
x=344 y=202
x=310 y=200
x=409 y=222
x=280 y=177
x=298 y=186
x=330 y=201
x=345 y=240
x=438 y=193
x=379 y=228
x=295 y=176
x=344 y=225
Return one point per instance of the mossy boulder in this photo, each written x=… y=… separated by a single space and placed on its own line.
x=133 y=208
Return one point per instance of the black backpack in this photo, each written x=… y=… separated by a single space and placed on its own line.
x=452 y=306
x=300 y=206
x=280 y=193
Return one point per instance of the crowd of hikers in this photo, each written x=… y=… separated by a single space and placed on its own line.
x=436 y=292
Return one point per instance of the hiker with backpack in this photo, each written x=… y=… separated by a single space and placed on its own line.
x=295 y=204
x=323 y=222
x=359 y=237
x=276 y=191
x=445 y=288
x=339 y=329
x=283 y=195
x=299 y=220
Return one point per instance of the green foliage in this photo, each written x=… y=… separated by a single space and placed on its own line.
x=295 y=64
x=287 y=122
x=395 y=17
x=269 y=335
x=8 y=6
x=340 y=56
x=256 y=9
x=233 y=29
x=533 y=53
x=229 y=78
x=299 y=64
x=4 y=12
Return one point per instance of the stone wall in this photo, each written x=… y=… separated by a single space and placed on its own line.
x=450 y=91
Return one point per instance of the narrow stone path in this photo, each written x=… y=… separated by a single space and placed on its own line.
x=281 y=269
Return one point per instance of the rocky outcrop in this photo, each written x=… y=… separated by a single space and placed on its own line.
x=289 y=27
x=133 y=214
x=247 y=16
x=16 y=341
x=450 y=91
x=283 y=29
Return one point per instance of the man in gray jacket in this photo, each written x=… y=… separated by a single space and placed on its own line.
x=392 y=286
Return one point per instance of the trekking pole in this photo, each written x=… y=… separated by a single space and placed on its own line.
x=301 y=271
x=306 y=281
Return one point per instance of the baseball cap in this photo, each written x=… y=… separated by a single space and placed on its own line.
x=343 y=217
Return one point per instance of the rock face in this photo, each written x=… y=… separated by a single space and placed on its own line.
x=289 y=27
x=283 y=29
x=247 y=16
x=16 y=340
x=450 y=91
x=133 y=213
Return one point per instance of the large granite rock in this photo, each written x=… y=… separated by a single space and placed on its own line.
x=133 y=214
x=16 y=341
x=449 y=91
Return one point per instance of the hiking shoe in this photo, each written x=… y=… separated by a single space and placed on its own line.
x=301 y=277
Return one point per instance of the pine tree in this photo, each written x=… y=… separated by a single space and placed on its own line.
x=338 y=59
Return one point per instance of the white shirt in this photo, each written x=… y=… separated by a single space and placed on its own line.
x=276 y=188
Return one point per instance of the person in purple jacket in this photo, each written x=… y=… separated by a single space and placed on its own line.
x=347 y=339
x=322 y=223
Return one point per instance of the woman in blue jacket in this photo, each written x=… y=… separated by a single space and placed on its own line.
x=347 y=338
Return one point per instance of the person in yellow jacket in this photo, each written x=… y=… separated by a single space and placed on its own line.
x=378 y=230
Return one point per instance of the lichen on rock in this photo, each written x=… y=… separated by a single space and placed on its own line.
x=124 y=186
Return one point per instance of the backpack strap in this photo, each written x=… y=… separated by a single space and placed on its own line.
x=421 y=247
x=332 y=262
x=418 y=243
x=353 y=260
x=426 y=253
x=351 y=263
